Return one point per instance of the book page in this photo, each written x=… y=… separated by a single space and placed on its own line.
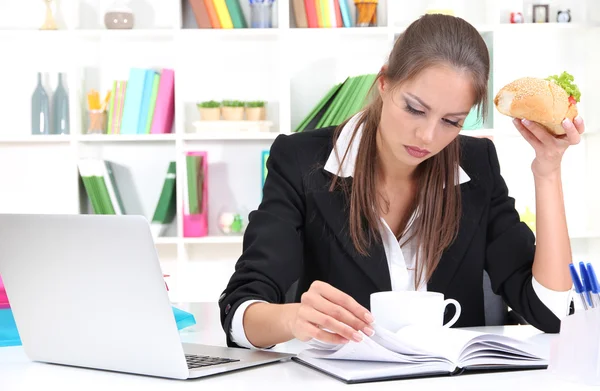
x=366 y=350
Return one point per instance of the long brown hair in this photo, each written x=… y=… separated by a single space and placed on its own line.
x=430 y=40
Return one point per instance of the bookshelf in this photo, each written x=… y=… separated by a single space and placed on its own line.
x=291 y=69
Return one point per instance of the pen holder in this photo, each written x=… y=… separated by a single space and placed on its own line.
x=97 y=122
x=261 y=15
x=575 y=353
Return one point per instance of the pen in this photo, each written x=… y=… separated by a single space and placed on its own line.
x=587 y=286
x=578 y=285
x=594 y=283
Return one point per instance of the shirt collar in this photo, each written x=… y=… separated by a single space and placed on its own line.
x=345 y=140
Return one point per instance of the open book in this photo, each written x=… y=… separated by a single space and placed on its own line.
x=421 y=352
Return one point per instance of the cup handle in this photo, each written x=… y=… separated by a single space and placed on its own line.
x=456 y=315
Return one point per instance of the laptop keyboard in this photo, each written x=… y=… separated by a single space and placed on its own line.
x=194 y=361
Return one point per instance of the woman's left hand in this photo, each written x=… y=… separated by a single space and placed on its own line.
x=549 y=149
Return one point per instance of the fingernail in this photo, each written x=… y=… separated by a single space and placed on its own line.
x=566 y=123
x=526 y=122
x=369 y=318
x=369 y=331
x=357 y=337
x=516 y=121
x=578 y=120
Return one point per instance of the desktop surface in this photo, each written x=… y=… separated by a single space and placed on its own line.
x=18 y=373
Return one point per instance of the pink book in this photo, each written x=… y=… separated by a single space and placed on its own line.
x=3 y=297
x=162 y=122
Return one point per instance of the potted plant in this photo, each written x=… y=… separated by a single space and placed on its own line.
x=255 y=110
x=233 y=110
x=209 y=110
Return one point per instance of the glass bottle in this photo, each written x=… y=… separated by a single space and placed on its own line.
x=60 y=108
x=40 y=109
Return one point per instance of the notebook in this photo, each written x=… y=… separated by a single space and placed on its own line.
x=415 y=351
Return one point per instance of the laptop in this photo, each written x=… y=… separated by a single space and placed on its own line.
x=88 y=291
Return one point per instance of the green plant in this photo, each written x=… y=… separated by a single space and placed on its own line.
x=232 y=103
x=255 y=103
x=211 y=104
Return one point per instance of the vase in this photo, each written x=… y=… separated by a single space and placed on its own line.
x=60 y=108
x=119 y=16
x=233 y=113
x=40 y=109
x=255 y=113
x=210 y=113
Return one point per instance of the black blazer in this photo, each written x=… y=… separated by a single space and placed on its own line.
x=300 y=232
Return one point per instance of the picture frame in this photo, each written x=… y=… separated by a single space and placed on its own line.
x=541 y=13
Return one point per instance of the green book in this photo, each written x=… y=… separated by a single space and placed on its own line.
x=89 y=189
x=166 y=206
x=237 y=16
x=153 y=96
x=107 y=205
x=192 y=185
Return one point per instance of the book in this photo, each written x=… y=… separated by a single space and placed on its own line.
x=165 y=207
x=417 y=351
x=300 y=13
x=237 y=16
x=223 y=14
x=152 y=105
x=212 y=14
x=164 y=108
x=134 y=95
x=311 y=13
x=146 y=101
x=345 y=11
x=200 y=14
x=100 y=185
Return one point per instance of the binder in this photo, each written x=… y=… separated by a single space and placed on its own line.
x=311 y=13
x=166 y=205
x=195 y=206
x=164 y=111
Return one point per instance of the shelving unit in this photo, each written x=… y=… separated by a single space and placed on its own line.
x=290 y=68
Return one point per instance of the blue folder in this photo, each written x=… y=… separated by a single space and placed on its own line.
x=9 y=336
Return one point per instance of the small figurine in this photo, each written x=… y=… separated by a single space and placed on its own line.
x=563 y=16
x=516 y=17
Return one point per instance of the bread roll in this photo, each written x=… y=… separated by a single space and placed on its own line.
x=538 y=100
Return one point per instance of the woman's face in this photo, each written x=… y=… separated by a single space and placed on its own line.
x=422 y=116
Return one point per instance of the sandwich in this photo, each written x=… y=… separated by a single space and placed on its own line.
x=545 y=101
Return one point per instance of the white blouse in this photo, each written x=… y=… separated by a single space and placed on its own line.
x=401 y=259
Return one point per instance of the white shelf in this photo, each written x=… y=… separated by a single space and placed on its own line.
x=101 y=138
x=214 y=240
x=36 y=139
x=229 y=135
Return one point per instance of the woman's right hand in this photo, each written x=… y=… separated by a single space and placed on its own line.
x=330 y=315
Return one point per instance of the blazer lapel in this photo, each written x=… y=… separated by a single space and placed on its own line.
x=473 y=203
x=334 y=210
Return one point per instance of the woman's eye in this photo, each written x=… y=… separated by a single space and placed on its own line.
x=452 y=123
x=413 y=111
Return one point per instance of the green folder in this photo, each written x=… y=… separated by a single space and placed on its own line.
x=192 y=187
x=165 y=208
x=153 y=96
x=326 y=99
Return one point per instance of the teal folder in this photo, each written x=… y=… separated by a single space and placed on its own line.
x=9 y=336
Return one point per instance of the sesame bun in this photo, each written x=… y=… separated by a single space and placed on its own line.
x=538 y=100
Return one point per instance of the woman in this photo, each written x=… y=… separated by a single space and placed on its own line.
x=396 y=199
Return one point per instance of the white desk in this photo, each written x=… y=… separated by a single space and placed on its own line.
x=18 y=373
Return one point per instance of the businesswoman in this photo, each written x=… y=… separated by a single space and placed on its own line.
x=396 y=199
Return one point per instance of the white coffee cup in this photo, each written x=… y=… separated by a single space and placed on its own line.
x=393 y=310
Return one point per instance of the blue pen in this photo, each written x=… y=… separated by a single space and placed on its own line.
x=578 y=285
x=595 y=284
x=587 y=286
